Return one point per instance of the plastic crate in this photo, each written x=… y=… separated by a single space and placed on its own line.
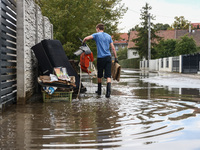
x=57 y=96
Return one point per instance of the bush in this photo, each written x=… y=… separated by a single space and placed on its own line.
x=122 y=53
x=130 y=63
x=186 y=45
x=166 y=48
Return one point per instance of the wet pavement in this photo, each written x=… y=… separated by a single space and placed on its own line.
x=151 y=111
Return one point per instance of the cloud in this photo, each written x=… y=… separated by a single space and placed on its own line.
x=163 y=10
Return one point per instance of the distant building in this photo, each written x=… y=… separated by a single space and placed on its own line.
x=166 y=34
x=193 y=33
x=132 y=53
x=122 y=42
x=196 y=25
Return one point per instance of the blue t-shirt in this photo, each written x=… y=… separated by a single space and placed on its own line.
x=103 y=41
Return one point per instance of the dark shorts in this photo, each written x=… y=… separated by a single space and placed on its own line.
x=104 y=64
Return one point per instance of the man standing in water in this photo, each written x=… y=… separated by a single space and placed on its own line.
x=104 y=60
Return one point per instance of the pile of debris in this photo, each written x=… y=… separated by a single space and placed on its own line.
x=56 y=72
x=58 y=80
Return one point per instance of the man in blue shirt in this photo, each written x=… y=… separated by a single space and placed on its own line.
x=103 y=42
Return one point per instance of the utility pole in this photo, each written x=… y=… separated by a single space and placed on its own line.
x=149 y=51
x=149 y=38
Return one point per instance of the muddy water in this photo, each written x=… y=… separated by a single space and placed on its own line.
x=139 y=115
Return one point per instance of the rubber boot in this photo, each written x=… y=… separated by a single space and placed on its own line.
x=99 y=89
x=108 y=90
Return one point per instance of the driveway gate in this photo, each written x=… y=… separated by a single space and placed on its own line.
x=8 y=87
x=175 y=64
x=191 y=63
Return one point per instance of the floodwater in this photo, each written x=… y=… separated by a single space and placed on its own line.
x=146 y=111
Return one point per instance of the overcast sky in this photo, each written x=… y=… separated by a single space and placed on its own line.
x=163 y=10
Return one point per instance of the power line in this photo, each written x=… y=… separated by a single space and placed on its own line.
x=171 y=17
x=134 y=11
x=175 y=16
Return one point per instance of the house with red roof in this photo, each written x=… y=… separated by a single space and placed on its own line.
x=165 y=34
x=122 y=42
x=132 y=53
x=196 y=25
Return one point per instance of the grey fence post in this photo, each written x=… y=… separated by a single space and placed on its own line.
x=21 y=94
x=180 y=63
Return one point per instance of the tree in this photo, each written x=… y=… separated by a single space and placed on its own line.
x=133 y=29
x=186 y=45
x=142 y=39
x=180 y=23
x=122 y=53
x=74 y=18
x=116 y=36
x=166 y=48
x=160 y=26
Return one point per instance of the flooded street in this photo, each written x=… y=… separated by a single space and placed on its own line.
x=146 y=111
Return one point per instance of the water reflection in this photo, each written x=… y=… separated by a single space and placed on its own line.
x=139 y=115
x=56 y=125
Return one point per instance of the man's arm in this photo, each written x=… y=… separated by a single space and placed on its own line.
x=113 y=49
x=87 y=38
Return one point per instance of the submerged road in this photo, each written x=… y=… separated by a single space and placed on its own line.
x=150 y=111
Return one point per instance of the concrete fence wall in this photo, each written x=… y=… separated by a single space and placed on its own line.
x=162 y=64
x=32 y=27
x=153 y=65
x=165 y=64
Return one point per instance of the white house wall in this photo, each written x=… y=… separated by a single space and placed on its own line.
x=131 y=53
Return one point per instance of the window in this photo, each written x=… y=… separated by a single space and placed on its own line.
x=135 y=53
x=167 y=63
x=161 y=63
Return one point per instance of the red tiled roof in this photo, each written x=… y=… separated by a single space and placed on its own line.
x=123 y=38
x=166 y=34
x=195 y=34
x=169 y=34
x=195 y=25
x=133 y=35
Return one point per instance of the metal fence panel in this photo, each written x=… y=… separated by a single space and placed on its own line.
x=8 y=87
x=191 y=63
x=175 y=64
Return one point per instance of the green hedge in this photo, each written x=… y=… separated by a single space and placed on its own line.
x=130 y=63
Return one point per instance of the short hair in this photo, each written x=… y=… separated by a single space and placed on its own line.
x=100 y=26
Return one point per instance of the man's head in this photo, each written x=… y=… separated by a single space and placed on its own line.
x=100 y=26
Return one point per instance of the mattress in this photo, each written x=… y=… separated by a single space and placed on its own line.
x=50 y=54
x=44 y=63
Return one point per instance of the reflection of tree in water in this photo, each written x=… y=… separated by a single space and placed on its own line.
x=146 y=88
x=174 y=108
x=160 y=105
x=164 y=92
